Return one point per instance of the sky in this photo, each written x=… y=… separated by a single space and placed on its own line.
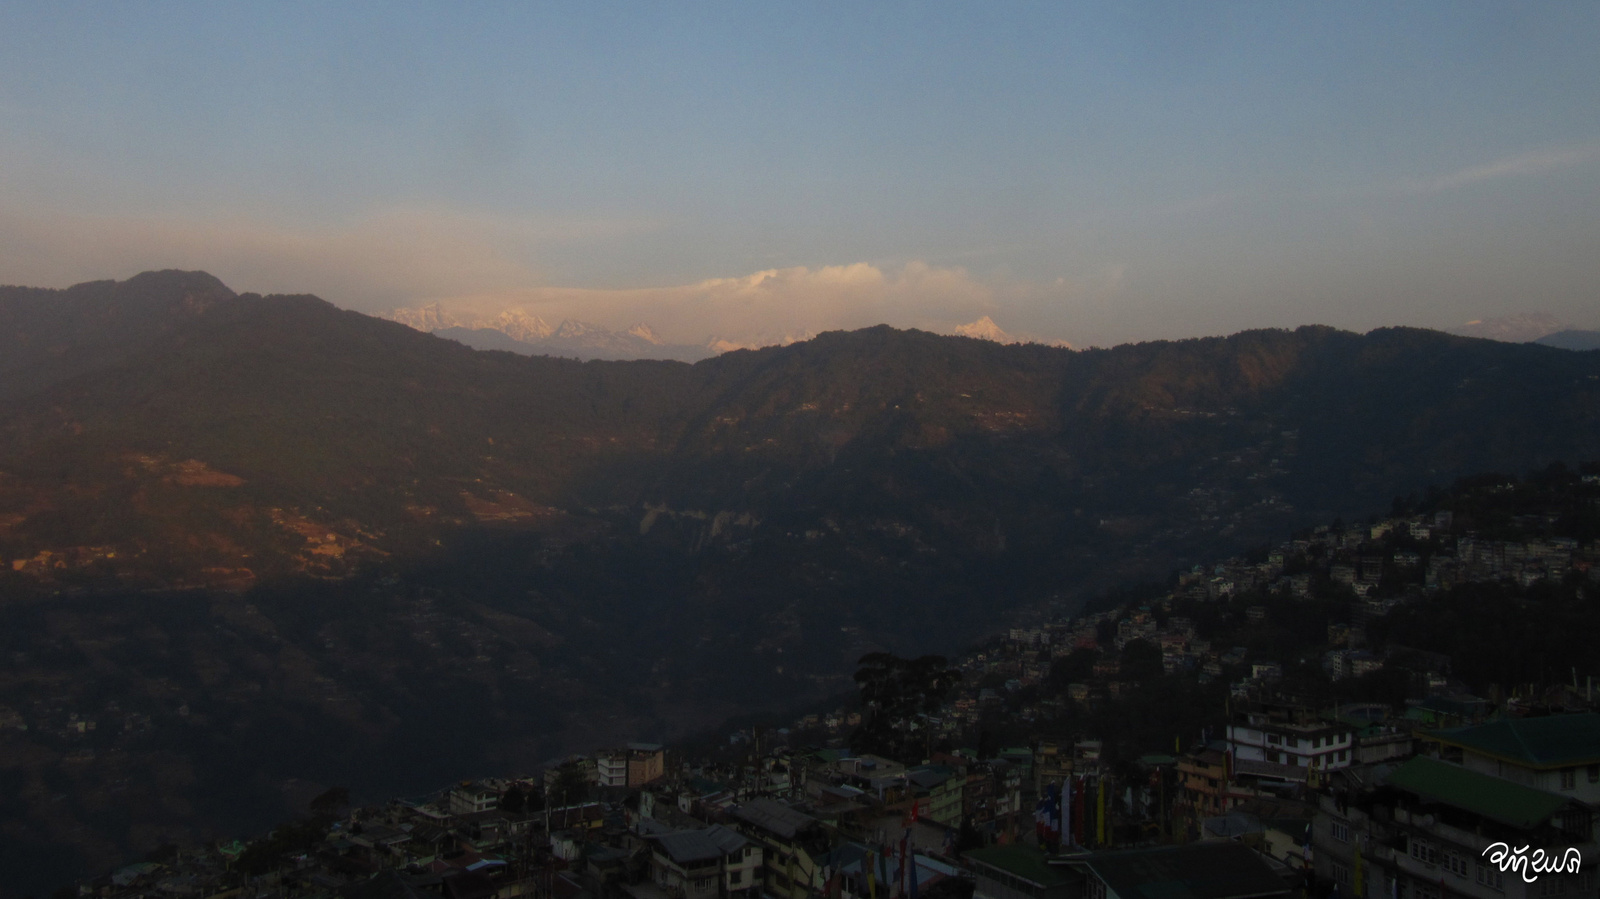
x=1097 y=173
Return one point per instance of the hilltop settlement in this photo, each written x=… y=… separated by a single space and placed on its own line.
x=1399 y=708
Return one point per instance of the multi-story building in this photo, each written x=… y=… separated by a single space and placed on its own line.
x=646 y=763
x=611 y=768
x=1290 y=736
x=938 y=789
x=791 y=843
x=713 y=863
x=1558 y=754
x=1430 y=828
x=472 y=797
x=1202 y=777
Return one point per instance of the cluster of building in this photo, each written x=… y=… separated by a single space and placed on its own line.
x=1285 y=803
x=784 y=824
x=1357 y=800
x=1375 y=568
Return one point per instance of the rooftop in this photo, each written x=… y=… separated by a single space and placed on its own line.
x=689 y=846
x=1555 y=741
x=1490 y=797
x=1205 y=870
x=1023 y=862
x=774 y=817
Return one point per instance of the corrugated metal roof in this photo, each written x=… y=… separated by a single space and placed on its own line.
x=1555 y=741
x=1207 y=870
x=728 y=841
x=1491 y=797
x=689 y=846
x=1019 y=861
x=775 y=817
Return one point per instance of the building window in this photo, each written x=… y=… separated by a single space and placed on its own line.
x=1425 y=852
x=1569 y=778
x=1456 y=863
x=1341 y=874
x=1341 y=831
x=1594 y=774
x=1491 y=877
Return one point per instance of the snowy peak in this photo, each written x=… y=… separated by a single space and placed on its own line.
x=644 y=333
x=984 y=329
x=572 y=329
x=519 y=325
x=1520 y=328
x=430 y=318
x=720 y=345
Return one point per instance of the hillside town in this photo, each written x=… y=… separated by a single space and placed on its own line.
x=1017 y=782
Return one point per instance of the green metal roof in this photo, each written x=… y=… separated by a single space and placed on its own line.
x=1556 y=741
x=1490 y=797
x=1220 y=869
x=1019 y=861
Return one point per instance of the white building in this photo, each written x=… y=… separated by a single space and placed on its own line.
x=1292 y=737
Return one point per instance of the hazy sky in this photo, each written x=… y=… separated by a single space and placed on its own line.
x=1096 y=172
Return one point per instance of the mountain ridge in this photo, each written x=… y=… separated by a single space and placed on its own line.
x=352 y=552
x=518 y=331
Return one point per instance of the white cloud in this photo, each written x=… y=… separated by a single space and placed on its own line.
x=766 y=306
x=1532 y=162
x=479 y=266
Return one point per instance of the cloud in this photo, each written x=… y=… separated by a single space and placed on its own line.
x=765 y=306
x=479 y=266
x=1532 y=162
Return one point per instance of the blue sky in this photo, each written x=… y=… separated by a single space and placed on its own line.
x=1099 y=172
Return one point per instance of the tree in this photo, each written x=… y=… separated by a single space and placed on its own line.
x=894 y=691
x=513 y=800
x=571 y=785
x=331 y=802
x=1076 y=668
x=1141 y=661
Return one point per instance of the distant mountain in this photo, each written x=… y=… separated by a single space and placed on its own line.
x=1521 y=328
x=1572 y=340
x=519 y=325
x=985 y=329
x=429 y=318
x=517 y=331
x=272 y=540
x=727 y=345
x=487 y=339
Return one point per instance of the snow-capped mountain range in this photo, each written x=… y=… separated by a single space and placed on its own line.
x=520 y=331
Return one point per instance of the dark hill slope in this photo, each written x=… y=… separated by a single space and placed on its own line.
x=49 y=335
x=423 y=560
x=261 y=436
